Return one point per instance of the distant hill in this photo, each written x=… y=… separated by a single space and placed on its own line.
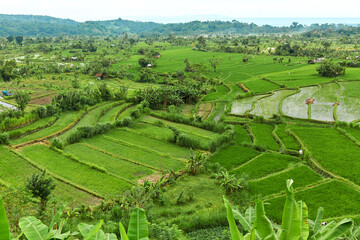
x=31 y=25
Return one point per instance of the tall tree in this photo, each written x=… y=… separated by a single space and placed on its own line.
x=22 y=99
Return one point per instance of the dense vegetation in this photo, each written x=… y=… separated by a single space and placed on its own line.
x=170 y=124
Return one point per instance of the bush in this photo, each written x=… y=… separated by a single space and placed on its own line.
x=4 y=138
x=163 y=232
x=125 y=122
x=56 y=143
x=330 y=69
x=89 y=131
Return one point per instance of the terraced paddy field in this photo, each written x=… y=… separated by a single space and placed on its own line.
x=294 y=105
x=348 y=110
x=270 y=106
x=332 y=150
x=263 y=136
x=324 y=195
x=323 y=108
x=264 y=151
x=242 y=106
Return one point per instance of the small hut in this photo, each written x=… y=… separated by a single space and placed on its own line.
x=309 y=101
x=100 y=76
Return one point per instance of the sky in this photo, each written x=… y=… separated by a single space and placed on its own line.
x=165 y=10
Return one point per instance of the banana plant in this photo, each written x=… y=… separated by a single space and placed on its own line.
x=34 y=229
x=138 y=226
x=4 y=225
x=295 y=223
x=138 y=229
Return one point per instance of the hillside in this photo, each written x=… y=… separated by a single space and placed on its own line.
x=31 y=25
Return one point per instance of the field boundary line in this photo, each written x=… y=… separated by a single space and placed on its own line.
x=244 y=164
x=312 y=96
x=111 y=106
x=296 y=190
x=338 y=100
x=281 y=102
x=276 y=173
x=56 y=176
x=120 y=157
x=123 y=110
x=181 y=130
x=142 y=148
x=87 y=164
x=250 y=133
x=58 y=133
x=253 y=103
x=315 y=165
x=35 y=130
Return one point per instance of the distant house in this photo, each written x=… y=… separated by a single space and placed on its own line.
x=316 y=60
x=158 y=56
x=100 y=76
x=73 y=58
x=319 y=59
x=149 y=65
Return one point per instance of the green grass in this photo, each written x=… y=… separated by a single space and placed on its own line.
x=151 y=131
x=151 y=143
x=138 y=155
x=233 y=156
x=33 y=126
x=15 y=170
x=77 y=173
x=126 y=113
x=89 y=119
x=289 y=141
x=334 y=151
x=220 y=92
x=65 y=120
x=337 y=199
x=302 y=176
x=205 y=210
x=263 y=136
x=257 y=85
x=121 y=168
x=241 y=135
x=110 y=116
x=183 y=128
x=265 y=164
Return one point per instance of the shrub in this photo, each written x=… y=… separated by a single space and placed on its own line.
x=56 y=143
x=4 y=138
x=125 y=122
x=330 y=69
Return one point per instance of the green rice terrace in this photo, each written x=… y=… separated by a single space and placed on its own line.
x=107 y=125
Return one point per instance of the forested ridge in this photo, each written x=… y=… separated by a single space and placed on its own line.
x=31 y=25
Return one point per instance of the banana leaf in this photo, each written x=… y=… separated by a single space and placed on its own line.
x=304 y=231
x=291 y=221
x=91 y=232
x=33 y=228
x=123 y=234
x=4 y=225
x=262 y=224
x=235 y=233
x=138 y=225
